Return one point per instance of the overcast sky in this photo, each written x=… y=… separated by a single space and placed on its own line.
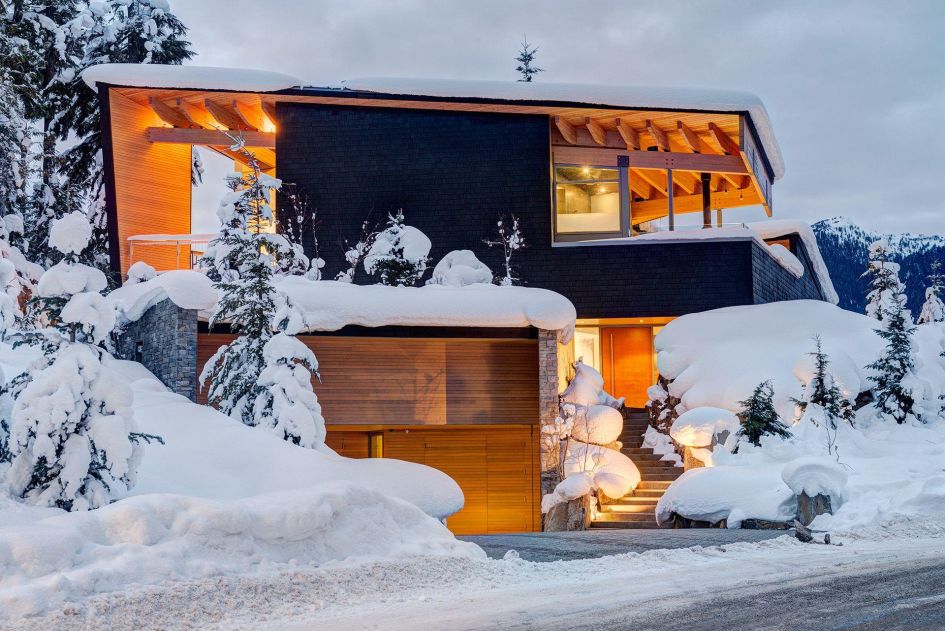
x=856 y=90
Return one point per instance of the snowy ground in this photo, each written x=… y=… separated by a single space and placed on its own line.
x=469 y=593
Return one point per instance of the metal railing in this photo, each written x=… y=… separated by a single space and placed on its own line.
x=195 y=244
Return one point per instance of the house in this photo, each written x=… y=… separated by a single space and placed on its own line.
x=600 y=177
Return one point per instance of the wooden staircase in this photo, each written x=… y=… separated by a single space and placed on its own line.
x=638 y=508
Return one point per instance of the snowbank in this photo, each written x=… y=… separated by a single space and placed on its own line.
x=751 y=344
x=460 y=268
x=196 y=77
x=329 y=305
x=185 y=288
x=160 y=537
x=648 y=97
x=697 y=427
x=815 y=475
x=733 y=493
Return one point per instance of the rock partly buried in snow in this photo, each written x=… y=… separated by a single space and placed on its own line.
x=601 y=424
x=815 y=475
x=733 y=493
x=698 y=427
x=460 y=268
x=150 y=539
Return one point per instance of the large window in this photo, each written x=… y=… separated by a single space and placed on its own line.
x=587 y=201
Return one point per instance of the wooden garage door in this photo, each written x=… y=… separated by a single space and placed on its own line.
x=496 y=467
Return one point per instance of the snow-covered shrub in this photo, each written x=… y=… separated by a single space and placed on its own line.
x=243 y=261
x=816 y=475
x=354 y=254
x=886 y=290
x=72 y=438
x=553 y=436
x=511 y=240
x=460 y=268
x=662 y=445
x=287 y=405
x=701 y=427
x=599 y=424
x=587 y=388
x=140 y=272
x=661 y=406
x=898 y=392
x=399 y=254
x=758 y=416
x=823 y=405
x=612 y=472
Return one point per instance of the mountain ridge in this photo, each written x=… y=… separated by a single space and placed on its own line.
x=844 y=246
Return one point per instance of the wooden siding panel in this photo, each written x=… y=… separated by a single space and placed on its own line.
x=349 y=444
x=424 y=381
x=152 y=184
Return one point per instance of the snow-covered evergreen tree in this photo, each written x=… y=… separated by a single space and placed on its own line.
x=287 y=404
x=525 y=59
x=933 y=310
x=243 y=261
x=758 y=416
x=896 y=388
x=399 y=254
x=72 y=440
x=823 y=405
x=886 y=290
x=511 y=240
x=110 y=31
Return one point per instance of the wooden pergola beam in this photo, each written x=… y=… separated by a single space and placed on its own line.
x=170 y=115
x=689 y=182
x=655 y=179
x=210 y=137
x=696 y=162
x=726 y=144
x=227 y=117
x=658 y=208
x=662 y=140
x=629 y=135
x=595 y=130
x=265 y=158
x=269 y=108
x=250 y=115
x=690 y=139
x=567 y=129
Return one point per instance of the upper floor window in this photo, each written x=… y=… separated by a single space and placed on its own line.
x=587 y=202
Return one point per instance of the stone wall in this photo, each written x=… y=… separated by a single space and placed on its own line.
x=164 y=340
x=547 y=375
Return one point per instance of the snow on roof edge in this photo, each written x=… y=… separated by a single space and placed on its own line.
x=189 y=77
x=648 y=97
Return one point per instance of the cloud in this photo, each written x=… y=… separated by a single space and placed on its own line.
x=855 y=88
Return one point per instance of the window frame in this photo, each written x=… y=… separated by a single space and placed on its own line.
x=623 y=189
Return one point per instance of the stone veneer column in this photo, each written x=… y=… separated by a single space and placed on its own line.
x=164 y=340
x=547 y=375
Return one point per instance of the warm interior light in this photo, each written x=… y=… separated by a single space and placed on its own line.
x=586 y=171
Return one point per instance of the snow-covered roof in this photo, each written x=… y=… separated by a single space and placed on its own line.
x=189 y=77
x=631 y=97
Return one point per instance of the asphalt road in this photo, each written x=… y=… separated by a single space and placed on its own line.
x=884 y=597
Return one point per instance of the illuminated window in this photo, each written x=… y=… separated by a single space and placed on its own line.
x=587 y=346
x=587 y=201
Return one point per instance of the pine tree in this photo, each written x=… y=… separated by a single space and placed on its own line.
x=243 y=260
x=893 y=375
x=886 y=290
x=758 y=416
x=823 y=391
x=113 y=31
x=511 y=239
x=525 y=58
x=399 y=253
x=933 y=310
x=71 y=435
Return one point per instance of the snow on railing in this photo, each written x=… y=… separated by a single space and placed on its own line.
x=195 y=245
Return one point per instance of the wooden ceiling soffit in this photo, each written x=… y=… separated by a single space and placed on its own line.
x=656 y=179
x=567 y=129
x=689 y=137
x=170 y=114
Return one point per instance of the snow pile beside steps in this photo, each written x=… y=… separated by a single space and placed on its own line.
x=150 y=539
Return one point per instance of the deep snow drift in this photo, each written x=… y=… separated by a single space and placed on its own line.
x=218 y=498
x=884 y=469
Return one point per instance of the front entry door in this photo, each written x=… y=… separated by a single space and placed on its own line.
x=627 y=362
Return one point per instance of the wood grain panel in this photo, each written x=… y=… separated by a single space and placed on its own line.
x=349 y=444
x=152 y=184
x=495 y=468
x=627 y=362
x=426 y=381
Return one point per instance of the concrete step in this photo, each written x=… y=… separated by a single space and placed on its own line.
x=612 y=525
x=637 y=500
x=630 y=508
x=662 y=485
x=663 y=477
x=642 y=493
x=625 y=517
